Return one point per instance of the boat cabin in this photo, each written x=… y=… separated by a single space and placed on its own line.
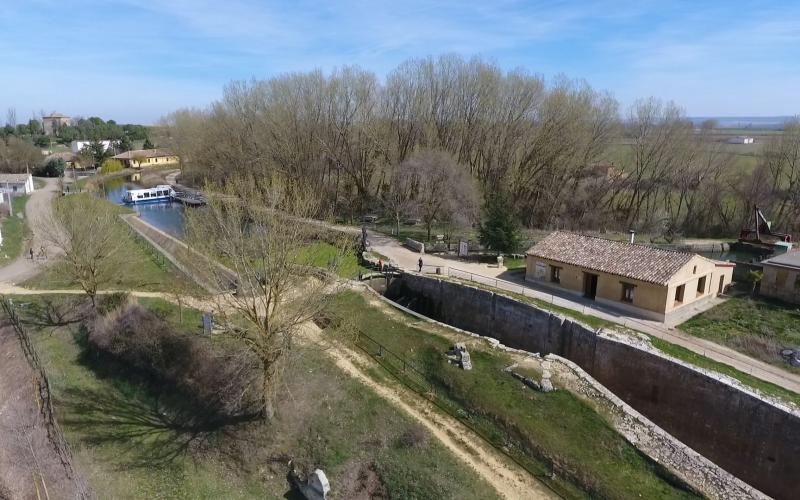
x=162 y=192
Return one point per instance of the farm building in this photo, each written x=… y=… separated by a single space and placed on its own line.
x=781 y=279
x=646 y=281
x=16 y=183
x=147 y=158
x=741 y=139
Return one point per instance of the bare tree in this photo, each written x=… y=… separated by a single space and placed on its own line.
x=398 y=194
x=91 y=239
x=256 y=239
x=445 y=193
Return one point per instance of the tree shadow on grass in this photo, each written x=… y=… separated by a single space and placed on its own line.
x=148 y=431
x=56 y=311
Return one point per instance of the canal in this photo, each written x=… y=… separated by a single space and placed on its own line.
x=166 y=216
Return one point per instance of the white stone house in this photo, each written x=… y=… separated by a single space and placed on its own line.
x=16 y=183
x=77 y=146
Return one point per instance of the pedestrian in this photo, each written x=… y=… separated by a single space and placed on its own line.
x=31 y=253
x=43 y=252
x=420 y=264
x=380 y=265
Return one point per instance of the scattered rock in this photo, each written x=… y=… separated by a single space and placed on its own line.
x=459 y=355
x=792 y=356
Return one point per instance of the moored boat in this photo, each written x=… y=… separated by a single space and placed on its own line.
x=161 y=192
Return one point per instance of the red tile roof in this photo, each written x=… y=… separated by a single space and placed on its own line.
x=629 y=260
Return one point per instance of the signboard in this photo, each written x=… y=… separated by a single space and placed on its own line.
x=541 y=270
x=463 y=248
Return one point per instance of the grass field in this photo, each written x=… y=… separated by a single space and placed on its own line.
x=127 y=437
x=144 y=270
x=322 y=254
x=758 y=327
x=14 y=230
x=538 y=428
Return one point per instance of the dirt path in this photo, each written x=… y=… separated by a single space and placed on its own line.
x=38 y=205
x=30 y=465
x=510 y=480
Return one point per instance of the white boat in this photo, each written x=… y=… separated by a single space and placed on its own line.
x=161 y=192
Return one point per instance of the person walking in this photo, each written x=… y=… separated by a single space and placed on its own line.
x=31 y=252
x=420 y=264
x=380 y=265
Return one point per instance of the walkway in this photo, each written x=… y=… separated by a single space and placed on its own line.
x=39 y=205
x=500 y=278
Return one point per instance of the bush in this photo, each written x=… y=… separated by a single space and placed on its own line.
x=223 y=379
x=53 y=168
x=111 y=166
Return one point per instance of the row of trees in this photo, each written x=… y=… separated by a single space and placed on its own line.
x=560 y=151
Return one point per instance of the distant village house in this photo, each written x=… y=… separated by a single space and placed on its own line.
x=741 y=139
x=77 y=146
x=781 y=279
x=141 y=158
x=52 y=123
x=647 y=281
x=16 y=183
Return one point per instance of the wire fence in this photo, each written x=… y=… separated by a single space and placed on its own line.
x=54 y=431
x=415 y=378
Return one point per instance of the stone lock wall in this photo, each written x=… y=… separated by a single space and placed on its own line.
x=750 y=437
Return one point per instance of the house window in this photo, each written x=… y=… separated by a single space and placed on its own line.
x=701 y=286
x=555 y=274
x=694 y=270
x=627 y=292
x=679 y=294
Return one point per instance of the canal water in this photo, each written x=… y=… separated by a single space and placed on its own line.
x=167 y=216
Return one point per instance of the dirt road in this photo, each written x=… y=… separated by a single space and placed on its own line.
x=39 y=205
x=509 y=479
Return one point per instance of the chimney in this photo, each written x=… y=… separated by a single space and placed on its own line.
x=633 y=234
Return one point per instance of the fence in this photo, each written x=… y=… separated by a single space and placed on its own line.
x=558 y=304
x=54 y=431
x=414 y=378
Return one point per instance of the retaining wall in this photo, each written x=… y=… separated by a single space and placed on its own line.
x=752 y=438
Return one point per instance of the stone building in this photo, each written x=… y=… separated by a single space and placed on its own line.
x=781 y=278
x=643 y=280
x=53 y=122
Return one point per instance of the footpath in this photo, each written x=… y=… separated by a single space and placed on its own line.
x=500 y=278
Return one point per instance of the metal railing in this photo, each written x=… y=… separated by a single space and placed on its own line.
x=545 y=299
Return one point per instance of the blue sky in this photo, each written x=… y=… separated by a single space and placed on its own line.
x=136 y=60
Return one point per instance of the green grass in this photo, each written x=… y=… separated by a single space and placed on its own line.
x=538 y=428
x=15 y=230
x=145 y=269
x=514 y=263
x=758 y=327
x=121 y=432
x=323 y=254
x=703 y=362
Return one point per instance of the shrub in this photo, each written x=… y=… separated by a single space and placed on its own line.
x=223 y=379
x=110 y=166
x=53 y=168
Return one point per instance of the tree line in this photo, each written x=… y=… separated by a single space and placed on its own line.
x=555 y=153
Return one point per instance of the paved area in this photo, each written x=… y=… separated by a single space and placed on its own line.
x=39 y=205
x=407 y=259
